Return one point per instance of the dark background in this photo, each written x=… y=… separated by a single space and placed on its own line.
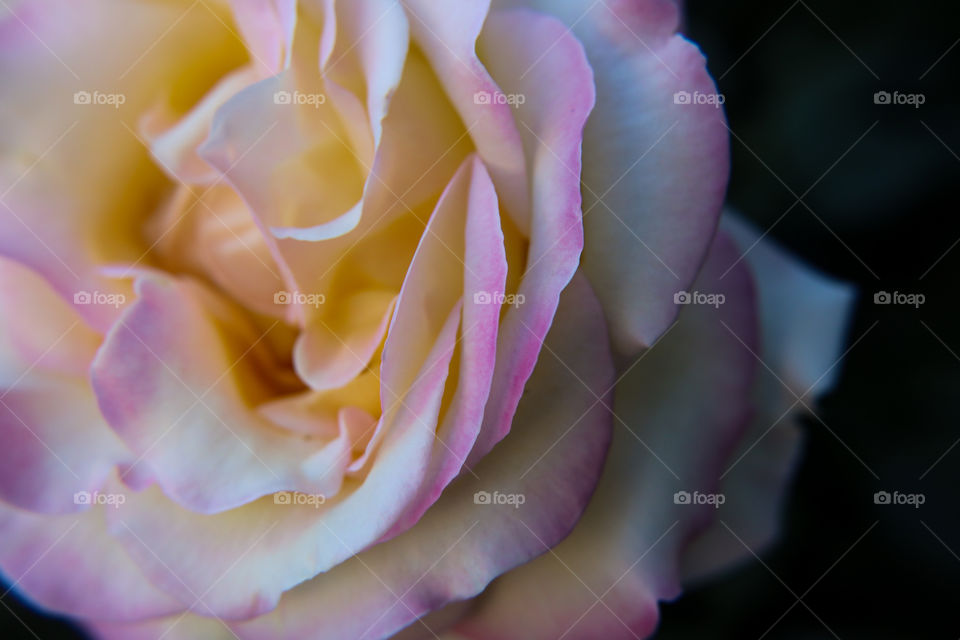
x=798 y=100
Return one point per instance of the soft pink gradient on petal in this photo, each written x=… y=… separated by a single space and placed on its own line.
x=459 y=546
x=50 y=449
x=170 y=380
x=61 y=344
x=484 y=272
x=559 y=98
x=655 y=172
x=267 y=27
x=242 y=560
x=290 y=544
x=71 y=565
x=682 y=407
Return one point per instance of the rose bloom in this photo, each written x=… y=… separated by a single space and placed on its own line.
x=353 y=318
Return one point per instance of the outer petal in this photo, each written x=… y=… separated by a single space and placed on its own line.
x=679 y=409
x=50 y=449
x=804 y=316
x=655 y=172
x=71 y=565
x=460 y=545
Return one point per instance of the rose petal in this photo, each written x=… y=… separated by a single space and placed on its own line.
x=71 y=565
x=679 y=409
x=61 y=344
x=335 y=349
x=267 y=27
x=553 y=459
x=51 y=449
x=448 y=39
x=416 y=357
x=173 y=141
x=370 y=42
x=476 y=255
x=71 y=173
x=174 y=379
x=214 y=235
x=558 y=99
x=289 y=161
x=655 y=172
x=804 y=316
x=240 y=561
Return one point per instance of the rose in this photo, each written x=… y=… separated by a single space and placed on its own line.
x=202 y=202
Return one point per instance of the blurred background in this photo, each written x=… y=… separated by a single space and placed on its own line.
x=878 y=188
